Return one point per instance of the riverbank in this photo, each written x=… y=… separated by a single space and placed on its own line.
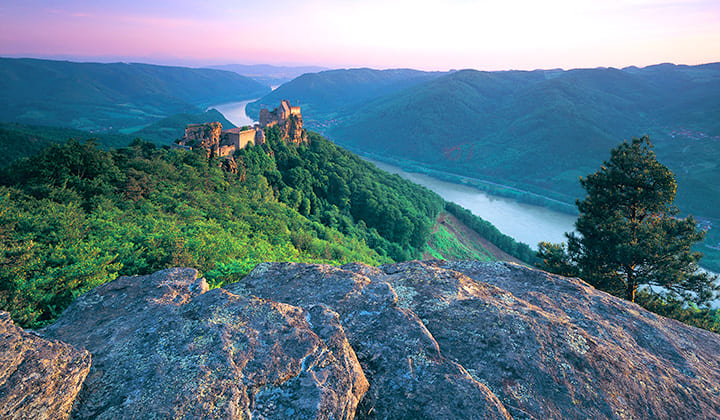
x=498 y=189
x=524 y=222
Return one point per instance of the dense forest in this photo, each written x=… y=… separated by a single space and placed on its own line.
x=510 y=127
x=75 y=216
x=338 y=189
x=22 y=140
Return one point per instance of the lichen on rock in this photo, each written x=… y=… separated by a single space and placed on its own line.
x=165 y=346
x=39 y=378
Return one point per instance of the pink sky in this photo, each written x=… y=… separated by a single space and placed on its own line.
x=486 y=35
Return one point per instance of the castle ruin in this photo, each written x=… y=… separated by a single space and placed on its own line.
x=288 y=118
x=279 y=115
x=219 y=142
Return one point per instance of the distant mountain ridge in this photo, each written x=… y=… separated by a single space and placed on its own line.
x=332 y=94
x=536 y=131
x=268 y=74
x=107 y=97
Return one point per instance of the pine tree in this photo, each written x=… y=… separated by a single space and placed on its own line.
x=628 y=232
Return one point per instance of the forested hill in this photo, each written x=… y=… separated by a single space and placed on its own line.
x=22 y=140
x=540 y=130
x=108 y=97
x=74 y=216
x=328 y=95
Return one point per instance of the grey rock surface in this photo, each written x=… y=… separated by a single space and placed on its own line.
x=414 y=340
x=409 y=376
x=39 y=378
x=164 y=346
x=481 y=340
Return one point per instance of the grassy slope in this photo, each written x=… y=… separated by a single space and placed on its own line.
x=451 y=239
x=139 y=209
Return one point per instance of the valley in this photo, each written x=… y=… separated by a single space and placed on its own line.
x=108 y=220
x=529 y=135
x=526 y=223
x=107 y=98
x=370 y=210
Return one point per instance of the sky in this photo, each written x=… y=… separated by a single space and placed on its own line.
x=421 y=34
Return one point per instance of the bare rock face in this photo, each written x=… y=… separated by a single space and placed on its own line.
x=206 y=136
x=39 y=378
x=415 y=340
x=490 y=340
x=164 y=346
x=229 y=165
x=554 y=347
x=293 y=130
x=409 y=376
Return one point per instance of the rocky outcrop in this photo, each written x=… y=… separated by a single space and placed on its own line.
x=164 y=346
x=409 y=375
x=292 y=130
x=205 y=136
x=553 y=347
x=413 y=340
x=229 y=165
x=39 y=378
x=535 y=344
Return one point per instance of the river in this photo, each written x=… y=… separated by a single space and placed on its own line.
x=235 y=112
x=524 y=222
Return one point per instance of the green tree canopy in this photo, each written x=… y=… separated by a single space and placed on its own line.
x=628 y=233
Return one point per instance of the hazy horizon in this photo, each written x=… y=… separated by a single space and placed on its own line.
x=424 y=35
x=191 y=64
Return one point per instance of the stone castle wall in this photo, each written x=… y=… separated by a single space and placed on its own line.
x=219 y=142
x=226 y=150
x=246 y=137
x=279 y=115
